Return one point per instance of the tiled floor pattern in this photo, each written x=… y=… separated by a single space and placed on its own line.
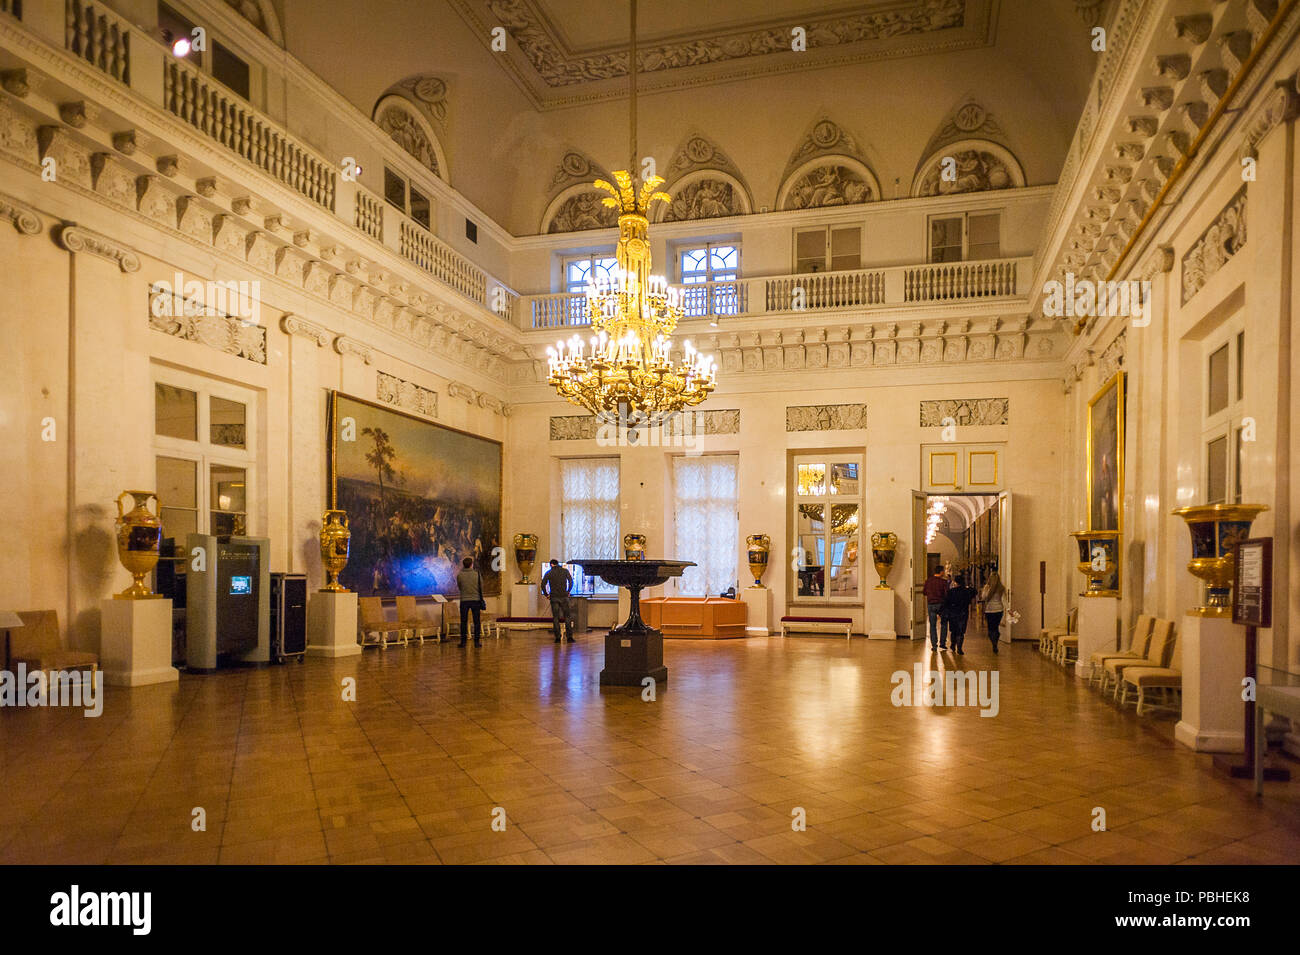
x=711 y=772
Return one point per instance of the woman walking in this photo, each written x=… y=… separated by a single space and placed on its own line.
x=991 y=596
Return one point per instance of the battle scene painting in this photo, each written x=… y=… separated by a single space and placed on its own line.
x=419 y=497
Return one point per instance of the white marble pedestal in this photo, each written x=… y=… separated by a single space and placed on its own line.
x=1213 y=651
x=332 y=624
x=1098 y=630
x=758 y=600
x=880 y=614
x=523 y=600
x=135 y=644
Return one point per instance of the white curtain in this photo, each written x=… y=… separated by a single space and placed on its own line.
x=707 y=522
x=589 y=511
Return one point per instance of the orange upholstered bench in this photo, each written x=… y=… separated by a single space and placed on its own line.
x=796 y=624
x=519 y=623
x=698 y=618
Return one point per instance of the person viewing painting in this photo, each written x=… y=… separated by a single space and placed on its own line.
x=470 y=584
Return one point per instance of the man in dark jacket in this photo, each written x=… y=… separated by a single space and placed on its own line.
x=556 y=586
x=956 y=611
x=935 y=589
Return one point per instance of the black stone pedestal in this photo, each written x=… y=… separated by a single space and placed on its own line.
x=633 y=650
x=630 y=657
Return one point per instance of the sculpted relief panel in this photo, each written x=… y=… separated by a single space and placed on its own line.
x=972 y=170
x=403 y=128
x=833 y=185
x=704 y=199
x=1221 y=240
x=583 y=211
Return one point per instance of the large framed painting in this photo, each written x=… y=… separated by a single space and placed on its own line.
x=1106 y=456
x=419 y=498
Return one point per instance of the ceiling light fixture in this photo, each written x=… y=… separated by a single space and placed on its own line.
x=628 y=374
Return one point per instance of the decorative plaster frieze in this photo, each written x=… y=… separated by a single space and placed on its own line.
x=113 y=180
x=405 y=394
x=293 y=325
x=701 y=423
x=846 y=417
x=1221 y=240
x=350 y=346
x=24 y=218
x=225 y=334
x=1112 y=356
x=155 y=200
x=71 y=159
x=76 y=239
x=495 y=405
x=573 y=428
x=458 y=389
x=966 y=412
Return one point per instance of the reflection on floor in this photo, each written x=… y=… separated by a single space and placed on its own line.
x=746 y=733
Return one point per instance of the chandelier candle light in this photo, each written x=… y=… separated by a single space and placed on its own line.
x=624 y=370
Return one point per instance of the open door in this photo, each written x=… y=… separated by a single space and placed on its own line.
x=918 y=565
x=1004 y=552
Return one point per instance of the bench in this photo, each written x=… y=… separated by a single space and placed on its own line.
x=817 y=625
x=518 y=623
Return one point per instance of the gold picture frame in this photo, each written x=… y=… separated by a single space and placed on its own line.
x=464 y=519
x=1105 y=476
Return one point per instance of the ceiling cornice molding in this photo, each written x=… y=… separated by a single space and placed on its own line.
x=549 y=73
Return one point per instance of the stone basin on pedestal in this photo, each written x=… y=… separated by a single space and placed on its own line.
x=633 y=649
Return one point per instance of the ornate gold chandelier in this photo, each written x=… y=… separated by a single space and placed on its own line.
x=624 y=372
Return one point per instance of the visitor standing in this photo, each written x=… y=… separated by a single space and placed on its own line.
x=956 y=610
x=991 y=596
x=470 y=583
x=556 y=586
x=935 y=589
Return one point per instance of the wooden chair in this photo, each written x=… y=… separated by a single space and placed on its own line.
x=1137 y=648
x=1048 y=634
x=408 y=617
x=375 y=623
x=38 y=644
x=1168 y=680
x=1162 y=645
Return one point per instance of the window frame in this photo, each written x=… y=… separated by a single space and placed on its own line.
x=723 y=300
x=828 y=257
x=600 y=589
x=1227 y=422
x=734 y=501
x=828 y=458
x=965 y=217
x=208 y=455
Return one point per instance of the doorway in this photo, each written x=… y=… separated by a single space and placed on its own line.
x=966 y=534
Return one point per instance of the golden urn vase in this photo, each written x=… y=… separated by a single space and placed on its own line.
x=525 y=555
x=139 y=534
x=759 y=548
x=1099 y=561
x=634 y=546
x=1216 y=530
x=884 y=548
x=335 y=546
